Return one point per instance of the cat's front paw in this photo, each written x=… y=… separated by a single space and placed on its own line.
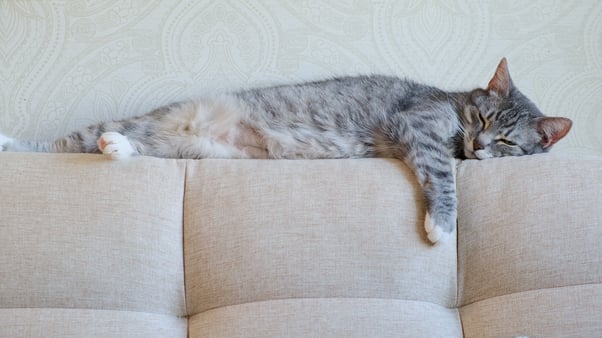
x=4 y=141
x=115 y=146
x=437 y=233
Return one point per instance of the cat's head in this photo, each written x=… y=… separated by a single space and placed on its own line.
x=501 y=121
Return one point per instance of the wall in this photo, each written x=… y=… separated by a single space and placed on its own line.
x=65 y=64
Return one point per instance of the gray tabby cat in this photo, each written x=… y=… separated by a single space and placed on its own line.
x=349 y=117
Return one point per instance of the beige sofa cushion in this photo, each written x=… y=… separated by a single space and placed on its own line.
x=263 y=237
x=81 y=232
x=329 y=317
x=529 y=246
x=78 y=323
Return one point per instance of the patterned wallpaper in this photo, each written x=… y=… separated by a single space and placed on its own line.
x=67 y=63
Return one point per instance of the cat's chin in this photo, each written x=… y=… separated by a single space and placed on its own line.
x=477 y=155
x=482 y=154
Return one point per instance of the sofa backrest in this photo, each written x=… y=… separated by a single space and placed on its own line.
x=91 y=248
x=529 y=252
x=224 y=248
x=314 y=249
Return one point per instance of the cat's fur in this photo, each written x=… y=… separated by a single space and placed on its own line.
x=349 y=117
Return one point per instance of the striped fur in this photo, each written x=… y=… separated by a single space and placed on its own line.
x=349 y=117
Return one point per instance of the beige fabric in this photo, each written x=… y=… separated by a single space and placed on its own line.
x=79 y=231
x=77 y=323
x=529 y=252
x=528 y=223
x=264 y=230
x=329 y=318
x=573 y=311
x=295 y=248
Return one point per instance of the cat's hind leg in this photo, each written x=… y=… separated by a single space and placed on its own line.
x=8 y=144
x=115 y=146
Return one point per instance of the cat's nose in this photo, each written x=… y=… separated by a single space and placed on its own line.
x=476 y=145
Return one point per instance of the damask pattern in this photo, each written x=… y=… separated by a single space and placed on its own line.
x=67 y=63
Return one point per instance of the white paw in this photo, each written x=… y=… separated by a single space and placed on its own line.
x=435 y=233
x=4 y=140
x=115 y=146
x=438 y=235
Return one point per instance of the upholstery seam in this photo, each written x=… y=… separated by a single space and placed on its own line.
x=530 y=290
x=327 y=298
x=93 y=309
x=187 y=163
x=458 y=165
x=458 y=301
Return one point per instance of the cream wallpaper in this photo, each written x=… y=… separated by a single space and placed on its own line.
x=65 y=64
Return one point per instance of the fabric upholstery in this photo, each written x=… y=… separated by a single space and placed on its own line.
x=530 y=227
x=78 y=323
x=83 y=232
x=564 y=312
x=250 y=248
x=329 y=318
x=268 y=230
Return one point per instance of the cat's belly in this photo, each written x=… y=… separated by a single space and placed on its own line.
x=246 y=140
x=311 y=144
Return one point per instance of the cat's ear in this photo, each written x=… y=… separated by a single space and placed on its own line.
x=552 y=129
x=501 y=83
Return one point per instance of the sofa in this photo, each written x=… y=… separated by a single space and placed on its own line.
x=153 y=247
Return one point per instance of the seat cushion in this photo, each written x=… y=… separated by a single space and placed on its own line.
x=328 y=317
x=76 y=323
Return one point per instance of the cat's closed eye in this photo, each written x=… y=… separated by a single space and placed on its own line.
x=506 y=142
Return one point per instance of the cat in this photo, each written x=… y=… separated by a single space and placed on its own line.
x=344 y=117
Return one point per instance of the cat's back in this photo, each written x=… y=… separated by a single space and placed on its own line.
x=362 y=98
x=337 y=88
